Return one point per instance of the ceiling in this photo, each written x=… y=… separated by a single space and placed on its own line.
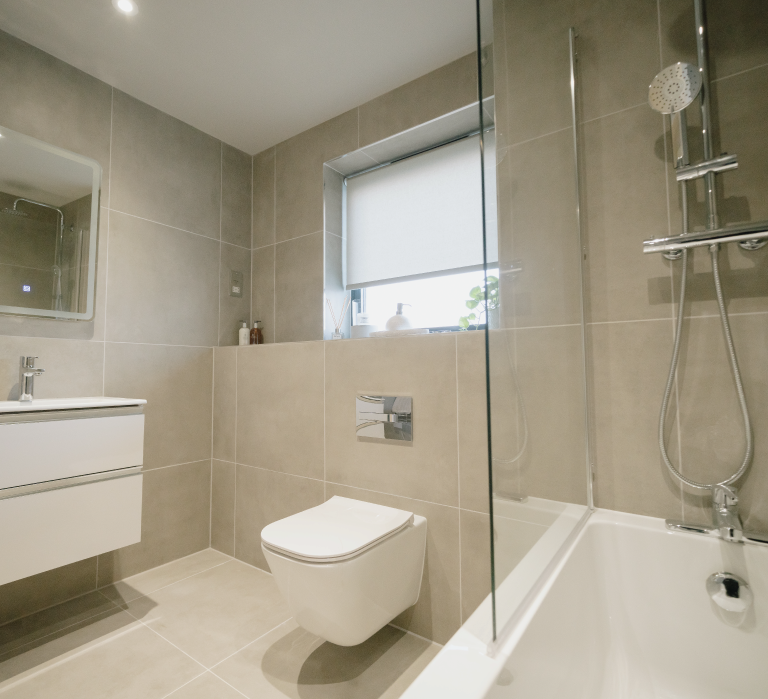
x=250 y=72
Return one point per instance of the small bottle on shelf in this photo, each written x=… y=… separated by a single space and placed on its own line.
x=242 y=334
x=257 y=336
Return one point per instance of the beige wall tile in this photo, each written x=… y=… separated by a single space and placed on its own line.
x=737 y=33
x=236 y=172
x=618 y=54
x=299 y=174
x=263 y=290
x=428 y=97
x=176 y=382
x=711 y=426
x=475 y=561
x=224 y=403
x=163 y=169
x=549 y=363
x=421 y=367
x=299 y=289
x=473 y=421
x=22 y=597
x=48 y=99
x=223 y=507
x=264 y=497
x=232 y=309
x=280 y=408
x=72 y=367
x=163 y=284
x=538 y=228
x=264 y=198
x=175 y=521
x=629 y=370
x=437 y=614
x=625 y=206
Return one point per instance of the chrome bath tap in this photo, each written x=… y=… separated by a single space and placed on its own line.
x=726 y=521
x=27 y=378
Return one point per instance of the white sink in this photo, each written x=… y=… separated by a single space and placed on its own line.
x=70 y=481
x=15 y=406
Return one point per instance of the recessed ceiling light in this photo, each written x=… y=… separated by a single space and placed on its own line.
x=127 y=7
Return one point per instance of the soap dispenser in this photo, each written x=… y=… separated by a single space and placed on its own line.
x=244 y=335
x=399 y=321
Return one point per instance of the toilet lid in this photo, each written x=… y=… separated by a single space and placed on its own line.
x=337 y=529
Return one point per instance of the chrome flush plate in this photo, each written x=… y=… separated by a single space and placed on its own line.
x=384 y=418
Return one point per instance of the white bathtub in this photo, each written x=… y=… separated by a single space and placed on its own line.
x=624 y=615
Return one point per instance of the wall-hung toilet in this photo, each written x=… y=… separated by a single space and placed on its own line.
x=347 y=567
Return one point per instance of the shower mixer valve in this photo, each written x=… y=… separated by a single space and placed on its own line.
x=726 y=521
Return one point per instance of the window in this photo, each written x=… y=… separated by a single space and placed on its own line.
x=414 y=233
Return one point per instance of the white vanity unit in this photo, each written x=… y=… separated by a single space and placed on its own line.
x=70 y=481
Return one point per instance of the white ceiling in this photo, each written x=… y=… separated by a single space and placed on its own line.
x=250 y=72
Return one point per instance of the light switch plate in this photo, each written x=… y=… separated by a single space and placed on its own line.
x=236 y=284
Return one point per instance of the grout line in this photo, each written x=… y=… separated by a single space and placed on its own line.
x=228 y=684
x=63 y=628
x=618 y=111
x=542 y=327
x=358 y=127
x=181 y=686
x=634 y=320
x=274 y=251
x=250 y=643
x=165 y=225
x=296 y=237
x=423 y=638
x=458 y=474
x=163 y=587
x=106 y=252
x=154 y=344
x=213 y=412
x=502 y=151
x=261 y=247
x=218 y=281
x=160 y=468
x=234 y=504
x=741 y=72
x=325 y=456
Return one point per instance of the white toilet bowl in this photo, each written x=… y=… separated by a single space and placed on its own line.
x=347 y=567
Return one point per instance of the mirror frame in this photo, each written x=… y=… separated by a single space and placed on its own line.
x=92 y=243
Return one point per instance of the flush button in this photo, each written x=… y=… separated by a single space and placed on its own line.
x=236 y=284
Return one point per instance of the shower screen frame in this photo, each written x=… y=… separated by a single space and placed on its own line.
x=95 y=178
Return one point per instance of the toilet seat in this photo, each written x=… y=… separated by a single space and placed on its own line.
x=337 y=530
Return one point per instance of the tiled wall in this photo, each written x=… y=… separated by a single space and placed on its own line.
x=284 y=441
x=629 y=194
x=175 y=217
x=289 y=227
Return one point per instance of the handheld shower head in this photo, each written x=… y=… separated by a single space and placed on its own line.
x=671 y=92
x=674 y=88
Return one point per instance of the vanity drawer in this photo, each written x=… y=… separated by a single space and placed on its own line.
x=48 y=529
x=35 y=450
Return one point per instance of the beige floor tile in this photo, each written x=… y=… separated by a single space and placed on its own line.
x=215 y=613
x=162 y=576
x=291 y=662
x=45 y=589
x=111 y=657
x=207 y=686
x=30 y=629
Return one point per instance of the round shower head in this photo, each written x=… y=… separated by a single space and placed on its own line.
x=674 y=88
x=16 y=212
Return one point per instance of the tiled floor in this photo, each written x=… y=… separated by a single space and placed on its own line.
x=206 y=626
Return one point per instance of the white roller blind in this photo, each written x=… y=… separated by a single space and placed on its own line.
x=421 y=216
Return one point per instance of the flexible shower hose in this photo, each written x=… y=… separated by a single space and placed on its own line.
x=714 y=250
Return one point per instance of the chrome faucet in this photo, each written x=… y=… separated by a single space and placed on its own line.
x=726 y=521
x=725 y=513
x=27 y=375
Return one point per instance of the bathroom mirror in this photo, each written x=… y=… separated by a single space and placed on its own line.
x=49 y=206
